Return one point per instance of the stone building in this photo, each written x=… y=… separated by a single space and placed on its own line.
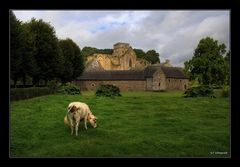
x=124 y=70
x=154 y=77
x=123 y=58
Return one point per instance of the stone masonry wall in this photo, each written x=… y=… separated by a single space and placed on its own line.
x=123 y=85
x=176 y=84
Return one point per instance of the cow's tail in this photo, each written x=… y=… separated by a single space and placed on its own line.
x=69 y=108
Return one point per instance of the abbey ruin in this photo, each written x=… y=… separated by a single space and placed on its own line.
x=123 y=69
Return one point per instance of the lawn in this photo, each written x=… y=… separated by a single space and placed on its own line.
x=138 y=124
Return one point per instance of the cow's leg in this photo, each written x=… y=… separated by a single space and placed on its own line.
x=85 y=121
x=76 y=128
x=71 y=125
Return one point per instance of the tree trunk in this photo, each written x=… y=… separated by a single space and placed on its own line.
x=45 y=82
x=24 y=80
x=15 y=82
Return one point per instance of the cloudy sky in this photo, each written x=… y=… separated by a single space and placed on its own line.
x=174 y=34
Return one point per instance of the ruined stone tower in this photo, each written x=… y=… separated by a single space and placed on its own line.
x=123 y=58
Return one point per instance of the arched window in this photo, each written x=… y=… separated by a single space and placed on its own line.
x=130 y=62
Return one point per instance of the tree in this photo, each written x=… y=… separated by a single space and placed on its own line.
x=46 y=51
x=15 y=38
x=105 y=51
x=140 y=53
x=73 y=60
x=227 y=67
x=21 y=51
x=207 y=64
x=87 y=51
x=152 y=56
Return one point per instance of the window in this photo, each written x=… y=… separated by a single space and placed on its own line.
x=185 y=87
x=180 y=80
x=159 y=84
x=130 y=63
x=93 y=84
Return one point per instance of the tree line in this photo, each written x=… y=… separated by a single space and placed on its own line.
x=36 y=53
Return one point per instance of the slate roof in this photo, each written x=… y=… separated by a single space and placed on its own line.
x=112 y=75
x=170 y=72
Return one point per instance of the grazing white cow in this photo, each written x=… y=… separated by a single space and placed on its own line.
x=78 y=111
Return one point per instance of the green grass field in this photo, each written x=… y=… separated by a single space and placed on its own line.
x=138 y=124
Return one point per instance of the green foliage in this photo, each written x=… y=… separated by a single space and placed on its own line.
x=208 y=65
x=26 y=93
x=225 y=91
x=200 y=91
x=152 y=56
x=73 y=63
x=54 y=85
x=46 y=52
x=138 y=124
x=88 y=51
x=140 y=53
x=107 y=90
x=21 y=51
x=37 y=53
x=105 y=51
x=69 y=89
x=227 y=66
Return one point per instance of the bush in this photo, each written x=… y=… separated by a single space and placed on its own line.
x=54 y=85
x=199 y=91
x=70 y=89
x=107 y=90
x=25 y=93
x=225 y=91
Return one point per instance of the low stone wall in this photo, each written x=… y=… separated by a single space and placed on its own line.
x=123 y=85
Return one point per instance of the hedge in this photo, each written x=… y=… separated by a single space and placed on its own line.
x=69 y=89
x=107 y=90
x=25 y=93
x=199 y=91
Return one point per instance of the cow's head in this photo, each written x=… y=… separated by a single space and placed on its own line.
x=93 y=120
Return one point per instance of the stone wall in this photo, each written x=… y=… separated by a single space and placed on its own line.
x=159 y=81
x=176 y=84
x=123 y=85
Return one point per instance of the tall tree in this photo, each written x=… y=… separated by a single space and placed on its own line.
x=46 y=50
x=73 y=60
x=21 y=51
x=207 y=64
x=15 y=38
